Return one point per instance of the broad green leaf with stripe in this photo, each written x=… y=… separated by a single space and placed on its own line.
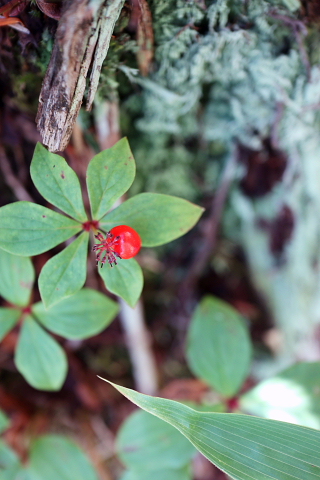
x=109 y=175
x=82 y=315
x=244 y=447
x=8 y=319
x=157 y=218
x=57 y=182
x=219 y=347
x=39 y=358
x=65 y=273
x=29 y=229
x=16 y=278
x=54 y=457
x=291 y=396
x=124 y=279
x=163 y=474
x=145 y=442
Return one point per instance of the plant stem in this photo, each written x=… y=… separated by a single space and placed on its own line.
x=139 y=346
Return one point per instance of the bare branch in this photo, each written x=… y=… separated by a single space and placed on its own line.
x=11 y=180
x=83 y=35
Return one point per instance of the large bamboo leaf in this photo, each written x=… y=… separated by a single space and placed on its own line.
x=16 y=278
x=29 y=229
x=245 y=447
x=110 y=174
x=157 y=218
x=57 y=182
x=82 y=315
x=124 y=279
x=219 y=347
x=65 y=273
x=39 y=358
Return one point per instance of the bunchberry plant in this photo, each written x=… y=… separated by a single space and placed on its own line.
x=29 y=229
x=38 y=356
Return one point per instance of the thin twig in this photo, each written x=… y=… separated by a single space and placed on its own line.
x=211 y=230
x=299 y=30
x=11 y=180
x=139 y=346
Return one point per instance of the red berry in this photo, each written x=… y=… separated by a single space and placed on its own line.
x=129 y=242
x=122 y=242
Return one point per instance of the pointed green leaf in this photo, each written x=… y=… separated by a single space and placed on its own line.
x=219 y=347
x=54 y=457
x=145 y=442
x=163 y=474
x=16 y=278
x=29 y=229
x=82 y=315
x=157 y=218
x=57 y=182
x=291 y=396
x=8 y=319
x=65 y=273
x=244 y=447
x=110 y=174
x=39 y=358
x=124 y=279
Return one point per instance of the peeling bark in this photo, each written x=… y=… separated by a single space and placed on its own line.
x=82 y=37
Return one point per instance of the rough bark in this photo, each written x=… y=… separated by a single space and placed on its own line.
x=82 y=37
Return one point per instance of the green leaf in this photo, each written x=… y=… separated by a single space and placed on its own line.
x=157 y=218
x=145 y=442
x=30 y=229
x=9 y=462
x=16 y=278
x=244 y=447
x=39 y=358
x=163 y=474
x=124 y=279
x=65 y=273
x=18 y=472
x=4 y=422
x=8 y=319
x=219 y=348
x=292 y=396
x=109 y=175
x=82 y=315
x=57 y=182
x=54 y=457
